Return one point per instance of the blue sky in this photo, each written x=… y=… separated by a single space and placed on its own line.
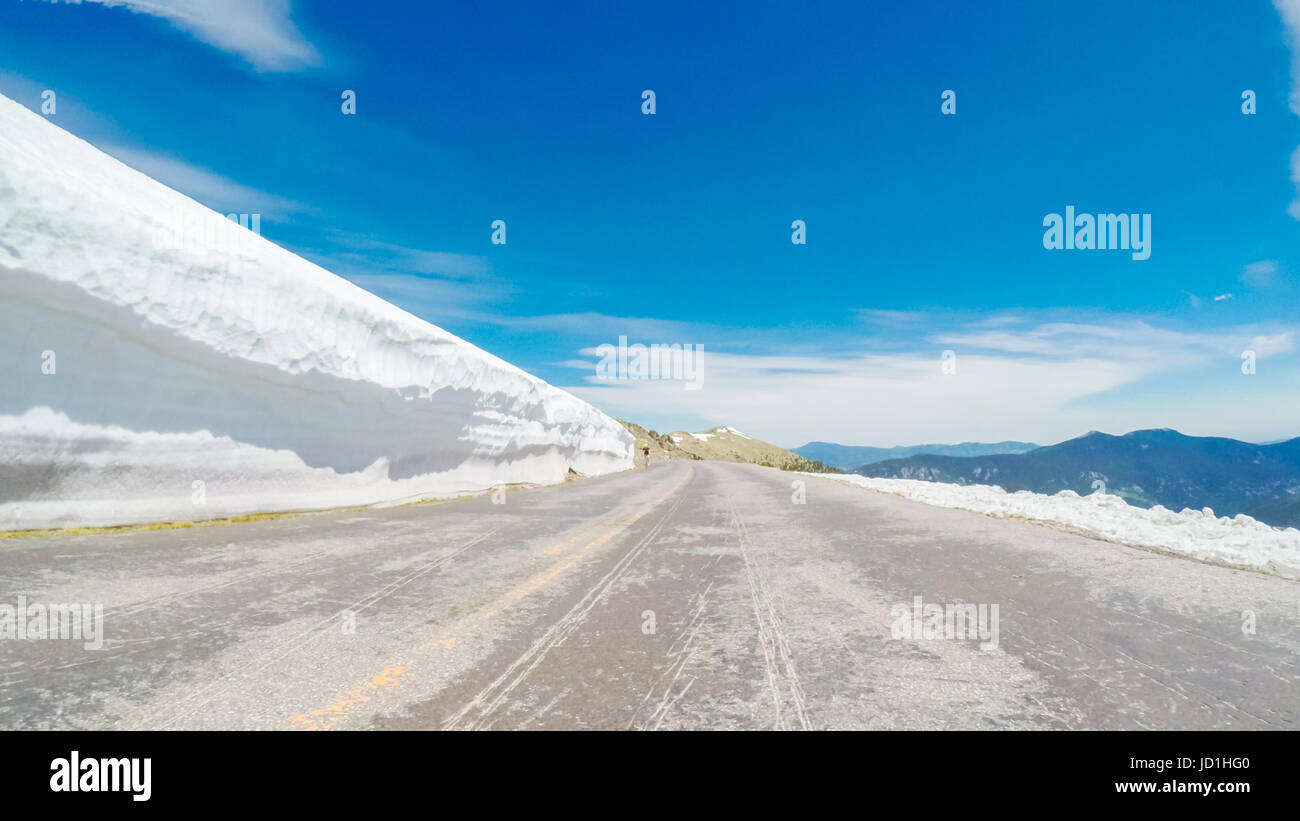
x=924 y=231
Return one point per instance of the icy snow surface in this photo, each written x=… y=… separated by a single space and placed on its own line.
x=200 y=370
x=1239 y=540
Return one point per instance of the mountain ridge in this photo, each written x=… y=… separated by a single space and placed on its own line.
x=1148 y=467
x=848 y=457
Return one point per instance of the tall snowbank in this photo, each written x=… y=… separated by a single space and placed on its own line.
x=161 y=362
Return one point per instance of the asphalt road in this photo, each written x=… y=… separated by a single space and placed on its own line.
x=692 y=595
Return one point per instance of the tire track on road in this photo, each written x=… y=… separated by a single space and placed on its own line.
x=680 y=656
x=778 y=663
x=480 y=709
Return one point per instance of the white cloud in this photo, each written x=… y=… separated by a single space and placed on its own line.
x=1259 y=274
x=888 y=318
x=260 y=31
x=1043 y=382
x=1100 y=339
x=1267 y=345
x=1290 y=11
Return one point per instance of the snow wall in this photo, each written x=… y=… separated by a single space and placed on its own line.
x=160 y=362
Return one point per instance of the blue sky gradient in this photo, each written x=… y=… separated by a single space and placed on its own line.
x=924 y=230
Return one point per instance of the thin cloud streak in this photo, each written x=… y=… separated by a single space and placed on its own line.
x=1047 y=382
x=259 y=31
x=213 y=190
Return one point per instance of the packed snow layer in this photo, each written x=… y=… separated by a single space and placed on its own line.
x=161 y=362
x=1239 y=540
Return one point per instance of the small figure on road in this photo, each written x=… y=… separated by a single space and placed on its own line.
x=645 y=453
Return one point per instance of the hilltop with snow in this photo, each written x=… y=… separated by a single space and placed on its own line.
x=162 y=362
x=722 y=443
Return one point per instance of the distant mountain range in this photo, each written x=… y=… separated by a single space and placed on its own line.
x=848 y=457
x=1145 y=467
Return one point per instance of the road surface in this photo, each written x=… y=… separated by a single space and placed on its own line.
x=692 y=595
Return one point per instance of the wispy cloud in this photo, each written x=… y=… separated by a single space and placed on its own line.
x=1115 y=338
x=888 y=318
x=405 y=259
x=1290 y=11
x=260 y=31
x=1041 y=381
x=608 y=328
x=435 y=285
x=213 y=190
x=1260 y=274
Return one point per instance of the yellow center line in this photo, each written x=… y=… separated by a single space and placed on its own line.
x=387 y=679
x=327 y=717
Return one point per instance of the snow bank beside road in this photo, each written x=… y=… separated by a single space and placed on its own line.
x=155 y=368
x=1239 y=540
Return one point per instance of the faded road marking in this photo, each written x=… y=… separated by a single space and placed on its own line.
x=347 y=704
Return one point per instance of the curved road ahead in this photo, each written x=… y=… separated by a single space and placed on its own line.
x=694 y=595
